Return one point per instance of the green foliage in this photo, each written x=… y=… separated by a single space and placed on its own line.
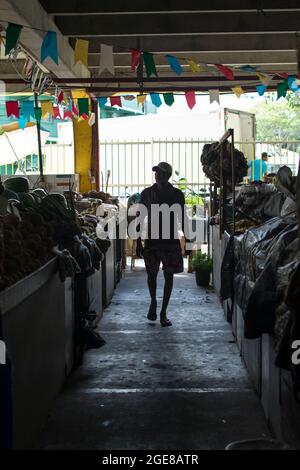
x=202 y=262
x=277 y=120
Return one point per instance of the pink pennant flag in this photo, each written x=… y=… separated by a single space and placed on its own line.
x=115 y=100
x=282 y=74
x=225 y=71
x=135 y=58
x=12 y=109
x=190 y=98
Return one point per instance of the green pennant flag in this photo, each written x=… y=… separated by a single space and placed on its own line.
x=13 y=32
x=168 y=98
x=282 y=89
x=83 y=106
x=38 y=113
x=149 y=64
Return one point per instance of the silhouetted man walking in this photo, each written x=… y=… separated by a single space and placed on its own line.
x=160 y=248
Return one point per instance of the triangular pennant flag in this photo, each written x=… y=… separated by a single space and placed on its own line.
x=116 y=100
x=61 y=111
x=264 y=78
x=83 y=106
x=261 y=89
x=107 y=59
x=149 y=64
x=68 y=114
x=47 y=108
x=194 y=66
x=247 y=68
x=129 y=97
x=168 y=98
x=92 y=119
x=13 y=32
x=282 y=74
x=214 y=95
x=85 y=116
x=225 y=71
x=49 y=47
x=60 y=97
x=141 y=99
x=155 y=99
x=174 y=64
x=56 y=114
x=28 y=109
x=38 y=113
x=81 y=51
x=22 y=122
x=135 y=58
x=12 y=109
x=282 y=89
x=76 y=94
x=237 y=90
x=292 y=83
x=102 y=100
x=75 y=110
x=190 y=97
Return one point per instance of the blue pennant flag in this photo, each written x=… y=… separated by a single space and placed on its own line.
x=292 y=83
x=155 y=98
x=102 y=100
x=49 y=47
x=261 y=89
x=247 y=68
x=174 y=64
x=22 y=121
x=28 y=109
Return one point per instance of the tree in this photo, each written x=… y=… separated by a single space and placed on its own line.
x=278 y=120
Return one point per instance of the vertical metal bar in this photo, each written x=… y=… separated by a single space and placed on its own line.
x=38 y=127
x=233 y=178
x=221 y=203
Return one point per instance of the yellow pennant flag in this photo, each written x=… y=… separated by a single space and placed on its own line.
x=81 y=51
x=237 y=90
x=76 y=94
x=194 y=66
x=264 y=78
x=141 y=99
x=47 y=108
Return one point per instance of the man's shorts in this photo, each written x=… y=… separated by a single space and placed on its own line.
x=169 y=254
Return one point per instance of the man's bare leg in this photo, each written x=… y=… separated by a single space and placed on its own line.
x=152 y=281
x=167 y=294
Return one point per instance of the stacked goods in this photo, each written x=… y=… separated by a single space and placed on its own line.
x=25 y=245
x=210 y=159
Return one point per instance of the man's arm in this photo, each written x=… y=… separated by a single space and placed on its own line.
x=140 y=227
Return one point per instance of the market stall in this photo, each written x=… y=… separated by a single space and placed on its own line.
x=256 y=256
x=51 y=295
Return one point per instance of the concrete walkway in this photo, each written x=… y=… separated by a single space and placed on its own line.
x=182 y=387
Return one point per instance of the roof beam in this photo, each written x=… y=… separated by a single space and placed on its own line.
x=266 y=42
x=32 y=15
x=185 y=24
x=61 y=7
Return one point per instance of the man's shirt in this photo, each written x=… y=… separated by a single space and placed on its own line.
x=165 y=195
x=258 y=168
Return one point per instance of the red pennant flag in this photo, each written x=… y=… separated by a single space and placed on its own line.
x=56 y=113
x=225 y=71
x=75 y=110
x=135 y=58
x=282 y=74
x=115 y=100
x=12 y=109
x=84 y=116
x=68 y=114
x=190 y=98
x=60 y=97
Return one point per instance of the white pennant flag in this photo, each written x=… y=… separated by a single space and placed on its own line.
x=214 y=96
x=106 y=59
x=92 y=120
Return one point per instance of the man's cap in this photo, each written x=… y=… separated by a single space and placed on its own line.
x=164 y=167
x=264 y=154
